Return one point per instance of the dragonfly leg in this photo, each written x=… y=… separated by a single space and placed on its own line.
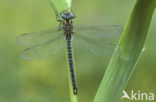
x=60 y=21
x=60 y=27
x=57 y=18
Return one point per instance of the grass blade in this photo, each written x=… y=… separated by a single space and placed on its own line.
x=127 y=52
x=60 y=5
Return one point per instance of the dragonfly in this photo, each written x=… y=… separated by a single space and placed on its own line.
x=94 y=39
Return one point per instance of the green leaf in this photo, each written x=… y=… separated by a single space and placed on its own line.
x=60 y=5
x=127 y=52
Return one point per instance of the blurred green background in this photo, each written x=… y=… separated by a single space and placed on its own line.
x=46 y=80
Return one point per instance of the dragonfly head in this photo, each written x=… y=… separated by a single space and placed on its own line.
x=66 y=15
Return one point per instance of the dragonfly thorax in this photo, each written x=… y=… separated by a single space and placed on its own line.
x=68 y=28
x=67 y=22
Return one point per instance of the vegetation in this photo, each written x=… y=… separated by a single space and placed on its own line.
x=45 y=80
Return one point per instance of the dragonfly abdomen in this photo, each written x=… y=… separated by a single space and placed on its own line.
x=71 y=64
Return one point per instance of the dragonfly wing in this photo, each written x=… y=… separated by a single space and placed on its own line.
x=97 y=39
x=102 y=48
x=38 y=37
x=43 y=50
x=99 y=47
x=97 y=32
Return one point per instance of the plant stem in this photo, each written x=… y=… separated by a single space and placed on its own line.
x=127 y=52
x=60 y=5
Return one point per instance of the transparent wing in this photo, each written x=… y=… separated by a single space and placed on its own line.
x=97 y=39
x=99 y=47
x=38 y=37
x=97 y=32
x=44 y=50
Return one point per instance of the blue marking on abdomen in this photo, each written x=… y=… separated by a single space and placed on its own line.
x=71 y=64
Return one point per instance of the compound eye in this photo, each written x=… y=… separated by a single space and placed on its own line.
x=70 y=16
x=63 y=16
